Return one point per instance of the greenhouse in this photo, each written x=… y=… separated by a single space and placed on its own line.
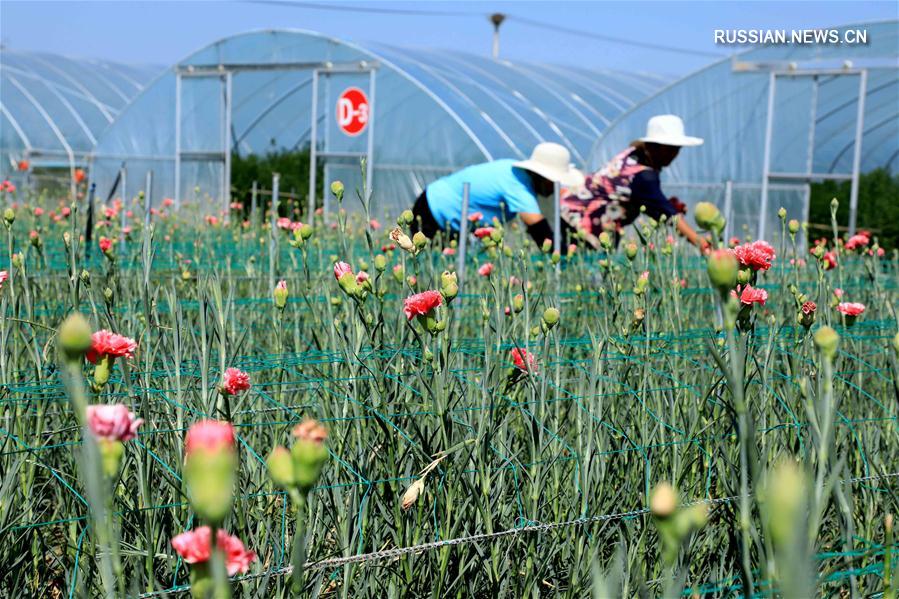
x=775 y=118
x=54 y=109
x=432 y=111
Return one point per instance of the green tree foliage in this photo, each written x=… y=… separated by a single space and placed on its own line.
x=878 y=206
x=293 y=166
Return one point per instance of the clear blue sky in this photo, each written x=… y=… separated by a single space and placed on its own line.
x=163 y=32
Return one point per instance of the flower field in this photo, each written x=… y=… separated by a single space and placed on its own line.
x=256 y=407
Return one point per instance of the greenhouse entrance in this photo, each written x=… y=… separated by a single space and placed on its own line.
x=337 y=100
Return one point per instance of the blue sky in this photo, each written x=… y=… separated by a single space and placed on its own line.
x=163 y=32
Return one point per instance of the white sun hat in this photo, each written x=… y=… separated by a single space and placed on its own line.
x=552 y=161
x=668 y=130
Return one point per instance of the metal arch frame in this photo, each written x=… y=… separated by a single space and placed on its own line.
x=104 y=109
x=577 y=95
x=271 y=106
x=104 y=80
x=67 y=148
x=442 y=79
x=503 y=103
x=809 y=175
x=18 y=128
x=73 y=112
x=87 y=93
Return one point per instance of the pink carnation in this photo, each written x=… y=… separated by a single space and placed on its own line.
x=751 y=295
x=421 y=304
x=475 y=217
x=483 y=232
x=756 y=255
x=830 y=260
x=283 y=223
x=857 y=241
x=486 y=269
x=342 y=268
x=362 y=277
x=209 y=435
x=38 y=211
x=105 y=244
x=234 y=381
x=449 y=251
x=195 y=547
x=850 y=308
x=524 y=360
x=106 y=343
x=112 y=422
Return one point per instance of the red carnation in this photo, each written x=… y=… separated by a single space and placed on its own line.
x=756 y=255
x=421 y=304
x=106 y=343
x=482 y=232
x=234 y=381
x=524 y=360
x=751 y=295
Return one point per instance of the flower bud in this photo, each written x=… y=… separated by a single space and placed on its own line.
x=280 y=295
x=308 y=459
x=744 y=276
x=547 y=246
x=708 y=217
x=496 y=234
x=348 y=284
x=449 y=286
x=419 y=240
x=630 y=250
x=406 y=217
x=18 y=259
x=783 y=496
x=75 y=336
x=402 y=240
x=337 y=189
x=210 y=476
x=280 y=467
x=412 y=493
x=605 y=240
x=551 y=317
x=793 y=226
x=380 y=262
x=663 y=500
x=85 y=277
x=306 y=232
x=722 y=268
x=108 y=295
x=782 y=213
x=827 y=340
x=9 y=217
x=518 y=303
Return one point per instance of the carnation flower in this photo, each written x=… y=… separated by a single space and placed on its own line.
x=830 y=260
x=195 y=547
x=4 y=276
x=234 y=381
x=524 y=360
x=850 y=308
x=809 y=308
x=106 y=343
x=112 y=422
x=421 y=304
x=362 y=277
x=756 y=255
x=105 y=244
x=483 y=232
x=310 y=430
x=475 y=217
x=486 y=269
x=449 y=251
x=857 y=241
x=751 y=295
x=342 y=268
x=209 y=435
x=38 y=212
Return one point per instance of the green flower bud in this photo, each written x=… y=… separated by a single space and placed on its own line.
x=9 y=217
x=722 y=267
x=337 y=189
x=85 y=277
x=280 y=467
x=309 y=458
x=449 y=286
x=406 y=217
x=347 y=282
x=555 y=258
x=380 y=262
x=75 y=337
x=827 y=340
x=793 y=226
x=419 y=240
x=280 y=295
x=708 y=217
x=783 y=496
x=782 y=213
x=18 y=259
x=630 y=250
x=551 y=317
x=210 y=478
x=743 y=276
x=108 y=295
x=496 y=234
x=605 y=240
x=306 y=231
x=518 y=303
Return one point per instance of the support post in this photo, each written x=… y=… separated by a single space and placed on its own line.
x=557 y=218
x=463 y=234
x=313 y=137
x=370 y=149
x=273 y=232
x=728 y=208
x=226 y=143
x=857 y=150
x=253 y=203
x=766 y=164
x=177 y=141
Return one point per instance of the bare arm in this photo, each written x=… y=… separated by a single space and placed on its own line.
x=692 y=236
x=530 y=218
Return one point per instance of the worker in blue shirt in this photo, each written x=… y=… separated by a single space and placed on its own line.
x=501 y=189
